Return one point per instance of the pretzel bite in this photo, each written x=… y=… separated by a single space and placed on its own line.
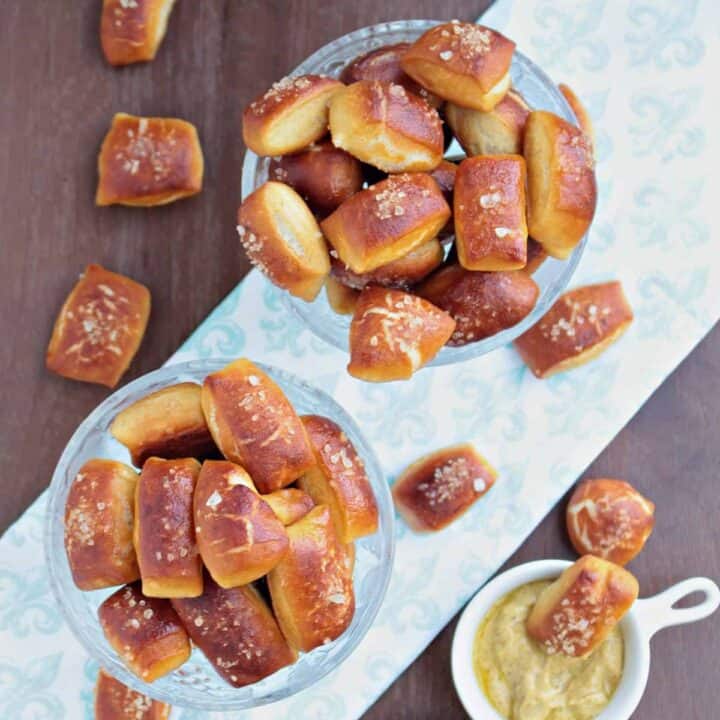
x=292 y=114
x=255 y=425
x=386 y=221
x=311 y=588
x=444 y=175
x=489 y=213
x=282 y=238
x=402 y=273
x=581 y=325
x=577 y=612
x=325 y=176
x=145 y=632
x=609 y=519
x=238 y=535
x=132 y=30
x=464 y=63
x=438 y=488
x=338 y=480
x=383 y=64
x=164 y=533
x=536 y=256
x=168 y=423
x=393 y=334
x=481 y=303
x=99 y=525
x=99 y=328
x=289 y=504
x=496 y=132
x=236 y=631
x=386 y=126
x=115 y=701
x=341 y=298
x=562 y=191
x=147 y=161
x=584 y=120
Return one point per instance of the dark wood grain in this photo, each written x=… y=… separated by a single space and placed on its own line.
x=58 y=96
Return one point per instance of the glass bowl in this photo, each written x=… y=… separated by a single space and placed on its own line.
x=196 y=684
x=540 y=93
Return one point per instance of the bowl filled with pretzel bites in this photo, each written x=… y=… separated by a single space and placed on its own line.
x=420 y=191
x=219 y=534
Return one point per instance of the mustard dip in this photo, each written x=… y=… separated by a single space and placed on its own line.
x=524 y=683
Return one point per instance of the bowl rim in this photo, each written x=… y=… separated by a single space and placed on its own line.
x=58 y=566
x=448 y=355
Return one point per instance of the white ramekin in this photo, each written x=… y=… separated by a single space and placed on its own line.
x=645 y=618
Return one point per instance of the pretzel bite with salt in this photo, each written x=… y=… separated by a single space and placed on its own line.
x=115 y=701
x=132 y=30
x=282 y=238
x=146 y=161
x=145 y=632
x=536 y=256
x=463 y=63
x=168 y=423
x=238 y=535
x=236 y=631
x=164 y=535
x=386 y=126
x=311 y=587
x=289 y=504
x=562 y=191
x=394 y=333
x=609 y=519
x=291 y=115
x=254 y=425
x=341 y=298
x=577 y=612
x=439 y=487
x=481 y=303
x=339 y=480
x=323 y=175
x=489 y=213
x=386 y=221
x=99 y=525
x=581 y=325
x=498 y=131
x=99 y=328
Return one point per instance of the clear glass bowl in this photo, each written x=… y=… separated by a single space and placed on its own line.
x=196 y=684
x=540 y=93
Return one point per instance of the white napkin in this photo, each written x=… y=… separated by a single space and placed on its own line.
x=645 y=70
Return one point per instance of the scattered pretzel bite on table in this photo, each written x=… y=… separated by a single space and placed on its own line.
x=386 y=221
x=341 y=298
x=463 y=63
x=289 y=504
x=115 y=701
x=489 y=213
x=168 y=423
x=323 y=175
x=439 y=487
x=386 y=126
x=164 y=534
x=609 y=519
x=145 y=632
x=338 y=480
x=132 y=30
x=146 y=161
x=481 y=303
x=577 y=612
x=291 y=115
x=236 y=631
x=394 y=333
x=584 y=120
x=99 y=328
x=311 y=587
x=99 y=525
x=254 y=425
x=281 y=237
x=238 y=535
x=581 y=324
x=562 y=190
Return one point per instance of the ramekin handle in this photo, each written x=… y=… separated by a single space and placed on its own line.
x=657 y=612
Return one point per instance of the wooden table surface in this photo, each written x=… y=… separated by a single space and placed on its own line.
x=58 y=96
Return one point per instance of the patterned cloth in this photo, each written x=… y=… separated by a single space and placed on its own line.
x=645 y=68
